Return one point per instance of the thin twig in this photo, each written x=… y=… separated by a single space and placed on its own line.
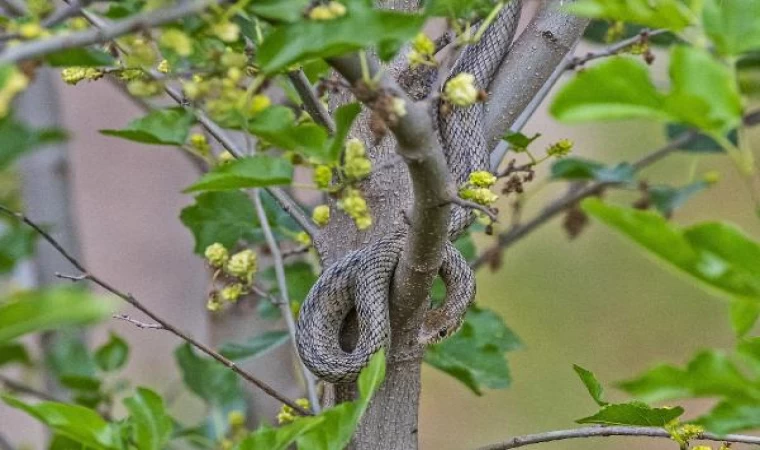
x=129 y=298
x=282 y=284
x=22 y=388
x=589 y=432
x=612 y=50
x=42 y=47
x=296 y=251
x=477 y=206
x=514 y=234
x=311 y=102
x=137 y=323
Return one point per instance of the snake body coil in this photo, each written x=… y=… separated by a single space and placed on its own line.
x=362 y=279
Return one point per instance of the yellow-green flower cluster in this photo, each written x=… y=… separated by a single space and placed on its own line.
x=30 y=30
x=242 y=265
x=163 y=66
x=682 y=434
x=73 y=75
x=461 y=90
x=422 y=52
x=232 y=292
x=330 y=11
x=321 y=215
x=477 y=189
x=140 y=52
x=357 y=165
x=200 y=144
x=322 y=176
x=225 y=157
x=287 y=414
x=236 y=418
x=711 y=177
x=561 y=148
x=303 y=238
x=14 y=83
x=353 y=204
x=177 y=41
x=226 y=31
x=144 y=88
x=216 y=255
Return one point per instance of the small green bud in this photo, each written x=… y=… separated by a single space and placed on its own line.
x=561 y=148
x=177 y=41
x=322 y=176
x=321 y=215
x=232 y=292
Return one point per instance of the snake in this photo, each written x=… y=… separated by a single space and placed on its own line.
x=362 y=279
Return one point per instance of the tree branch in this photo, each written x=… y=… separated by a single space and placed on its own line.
x=311 y=102
x=589 y=432
x=42 y=47
x=534 y=56
x=612 y=50
x=282 y=284
x=129 y=298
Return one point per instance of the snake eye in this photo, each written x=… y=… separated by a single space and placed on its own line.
x=443 y=332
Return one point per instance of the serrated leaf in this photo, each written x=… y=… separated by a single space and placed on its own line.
x=633 y=413
x=671 y=14
x=168 y=126
x=475 y=355
x=49 y=309
x=277 y=125
x=733 y=25
x=18 y=138
x=113 y=354
x=75 y=422
x=592 y=384
x=244 y=173
x=223 y=217
x=254 y=346
x=718 y=255
x=207 y=378
x=152 y=426
x=14 y=352
x=519 y=141
x=362 y=26
x=81 y=57
x=584 y=169
x=278 y=438
x=300 y=278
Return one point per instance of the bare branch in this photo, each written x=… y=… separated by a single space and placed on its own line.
x=42 y=47
x=589 y=432
x=17 y=386
x=476 y=206
x=282 y=284
x=129 y=298
x=612 y=50
x=534 y=56
x=311 y=102
x=137 y=323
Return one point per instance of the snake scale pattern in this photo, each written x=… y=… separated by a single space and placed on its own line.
x=362 y=279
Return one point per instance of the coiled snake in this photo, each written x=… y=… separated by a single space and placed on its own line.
x=362 y=279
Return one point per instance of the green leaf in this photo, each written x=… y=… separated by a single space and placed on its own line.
x=584 y=169
x=254 y=346
x=16 y=244
x=668 y=198
x=300 y=278
x=152 y=426
x=633 y=413
x=730 y=416
x=744 y=315
x=598 y=31
x=75 y=422
x=69 y=359
x=700 y=144
x=704 y=93
x=592 y=384
x=278 y=438
x=733 y=25
x=279 y=10
x=344 y=118
x=223 y=217
x=18 y=139
x=113 y=354
x=244 y=173
x=49 y=309
x=168 y=126
x=718 y=255
x=670 y=14
x=708 y=374
x=619 y=88
x=14 y=353
x=207 y=378
x=462 y=9
x=82 y=57
x=475 y=355
x=277 y=125
x=362 y=26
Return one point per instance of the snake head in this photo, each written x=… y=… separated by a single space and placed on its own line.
x=437 y=326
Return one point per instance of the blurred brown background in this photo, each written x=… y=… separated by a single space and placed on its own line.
x=597 y=301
